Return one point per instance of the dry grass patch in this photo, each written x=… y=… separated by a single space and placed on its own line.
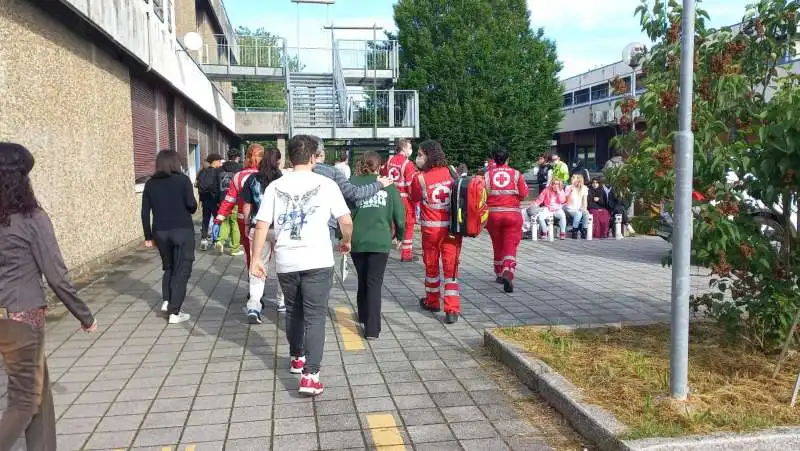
x=626 y=371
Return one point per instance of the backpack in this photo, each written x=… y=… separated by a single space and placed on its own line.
x=225 y=180
x=468 y=210
x=206 y=180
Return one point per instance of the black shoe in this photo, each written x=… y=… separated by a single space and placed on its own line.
x=424 y=304
x=508 y=285
x=574 y=234
x=451 y=318
x=498 y=279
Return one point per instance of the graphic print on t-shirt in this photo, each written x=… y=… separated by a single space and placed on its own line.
x=297 y=209
x=379 y=200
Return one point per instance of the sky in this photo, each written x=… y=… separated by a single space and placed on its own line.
x=588 y=33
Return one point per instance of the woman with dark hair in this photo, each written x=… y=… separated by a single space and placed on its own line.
x=252 y=192
x=433 y=187
x=28 y=250
x=599 y=208
x=170 y=197
x=373 y=221
x=208 y=189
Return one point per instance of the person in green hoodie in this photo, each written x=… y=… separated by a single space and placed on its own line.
x=373 y=222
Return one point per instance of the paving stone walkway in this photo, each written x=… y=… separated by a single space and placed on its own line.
x=218 y=383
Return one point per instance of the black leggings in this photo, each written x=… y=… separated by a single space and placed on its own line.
x=210 y=207
x=370 y=267
x=177 y=256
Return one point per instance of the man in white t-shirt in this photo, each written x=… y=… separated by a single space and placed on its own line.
x=300 y=204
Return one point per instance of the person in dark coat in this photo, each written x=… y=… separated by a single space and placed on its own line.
x=599 y=209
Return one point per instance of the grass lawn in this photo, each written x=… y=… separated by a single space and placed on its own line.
x=627 y=372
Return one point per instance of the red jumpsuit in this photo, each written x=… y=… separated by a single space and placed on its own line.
x=506 y=188
x=433 y=188
x=400 y=169
x=231 y=200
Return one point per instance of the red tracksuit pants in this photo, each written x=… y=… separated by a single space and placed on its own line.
x=505 y=229
x=407 y=245
x=245 y=242
x=438 y=245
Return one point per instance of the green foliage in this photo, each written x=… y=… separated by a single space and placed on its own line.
x=484 y=77
x=261 y=48
x=745 y=121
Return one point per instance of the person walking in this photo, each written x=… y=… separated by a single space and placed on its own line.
x=28 y=251
x=401 y=170
x=169 y=196
x=373 y=222
x=252 y=193
x=225 y=227
x=300 y=204
x=433 y=187
x=208 y=189
x=506 y=190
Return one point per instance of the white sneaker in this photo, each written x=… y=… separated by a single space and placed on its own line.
x=203 y=245
x=220 y=247
x=237 y=253
x=179 y=318
x=164 y=307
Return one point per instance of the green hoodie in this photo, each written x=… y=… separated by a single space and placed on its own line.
x=374 y=217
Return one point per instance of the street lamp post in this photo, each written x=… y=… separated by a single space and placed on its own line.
x=682 y=236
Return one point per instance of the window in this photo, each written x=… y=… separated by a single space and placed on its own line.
x=158 y=9
x=581 y=96
x=568 y=99
x=640 y=82
x=600 y=92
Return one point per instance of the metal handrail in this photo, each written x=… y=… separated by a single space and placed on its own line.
x=341 y=86
x=288 y=81
x=385 y=108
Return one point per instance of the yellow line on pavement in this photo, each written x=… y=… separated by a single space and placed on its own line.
x=385 y=434
x=351 y=338
x=190 y=448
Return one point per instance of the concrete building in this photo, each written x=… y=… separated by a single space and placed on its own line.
x=591 y=115
x=95 y=89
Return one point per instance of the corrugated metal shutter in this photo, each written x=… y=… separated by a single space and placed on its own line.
x=180 y=124
x=163 y=121
x=143 y=112
x=171 y=124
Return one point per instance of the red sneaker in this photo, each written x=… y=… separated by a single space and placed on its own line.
x=310 y=385
x=562 y=236
x=297 y=365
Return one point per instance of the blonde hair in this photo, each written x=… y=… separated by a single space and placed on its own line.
x=577 y=178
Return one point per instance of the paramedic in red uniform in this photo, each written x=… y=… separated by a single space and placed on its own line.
x=506 y=188
x=401 y=170
x=232 y=198
x=433 y=188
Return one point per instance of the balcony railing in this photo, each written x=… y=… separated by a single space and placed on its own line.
x=268 y=52
x=262 y=100
x=367 y=109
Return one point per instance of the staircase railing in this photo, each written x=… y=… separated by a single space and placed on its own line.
x=288 y=81
x=340 y=88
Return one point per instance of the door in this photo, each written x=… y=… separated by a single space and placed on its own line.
x=194 y=161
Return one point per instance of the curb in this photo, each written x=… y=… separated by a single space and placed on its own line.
x=603 y=429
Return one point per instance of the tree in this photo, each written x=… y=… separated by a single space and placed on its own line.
x=261 y=48
x=746 y=109
x=485 y=78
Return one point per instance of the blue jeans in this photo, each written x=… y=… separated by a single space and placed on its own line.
x=580 y=219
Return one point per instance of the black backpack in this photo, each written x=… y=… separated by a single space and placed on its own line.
x=207 y=181
x=225 y=179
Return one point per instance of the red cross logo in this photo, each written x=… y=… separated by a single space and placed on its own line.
x=501 y=179
x=441 y=194
x=394 y=174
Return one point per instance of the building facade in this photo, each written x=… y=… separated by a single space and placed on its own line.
x=95 y=89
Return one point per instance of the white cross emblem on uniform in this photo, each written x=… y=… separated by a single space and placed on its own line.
x=394 y=174
x=441 y=194
x=501 y=179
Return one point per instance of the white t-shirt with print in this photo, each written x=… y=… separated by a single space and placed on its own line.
x=299 y=204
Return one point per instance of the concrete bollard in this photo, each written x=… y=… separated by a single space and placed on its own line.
x=550 y=228
x=590 y=228
x=535 y=228
x=618 y=227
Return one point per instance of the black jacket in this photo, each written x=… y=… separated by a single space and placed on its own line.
x=601 y=203
x=170 y=197
x=541 y=177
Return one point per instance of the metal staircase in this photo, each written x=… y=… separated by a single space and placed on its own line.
x=314 y=101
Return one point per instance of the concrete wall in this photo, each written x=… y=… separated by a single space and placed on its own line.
x=593 y=77
x=150 y=41
x=262 y=123
x=73 y=133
